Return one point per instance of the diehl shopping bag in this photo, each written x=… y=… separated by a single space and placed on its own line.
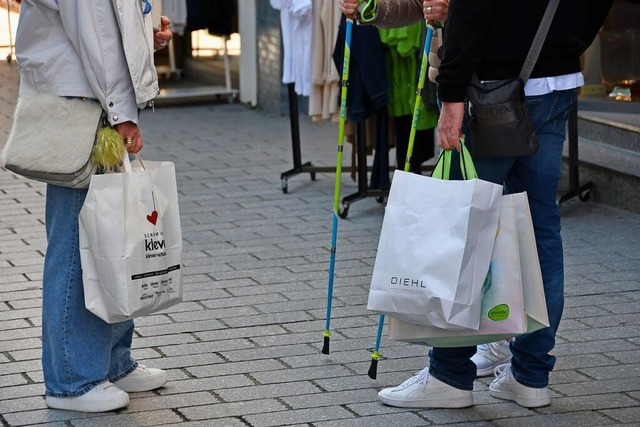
x=131 y=242
x=514 y=302
x=434 y=250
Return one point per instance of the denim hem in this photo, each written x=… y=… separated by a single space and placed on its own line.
x=453 y=384
x=84 y=391
x=125 y=373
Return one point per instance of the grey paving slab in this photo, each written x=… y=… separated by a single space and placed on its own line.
x=243 y=349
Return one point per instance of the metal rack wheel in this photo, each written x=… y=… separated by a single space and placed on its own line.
x=285 y=185
x=585 y=195
x=344 y=212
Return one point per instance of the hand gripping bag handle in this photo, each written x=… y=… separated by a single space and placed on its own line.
x=442 y=169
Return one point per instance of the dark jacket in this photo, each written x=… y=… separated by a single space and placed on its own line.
x=367 y=90
x=492 y=38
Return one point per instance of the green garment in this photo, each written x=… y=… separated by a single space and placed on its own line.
x=402 y=58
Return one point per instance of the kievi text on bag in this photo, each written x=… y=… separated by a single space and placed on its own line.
x=155 y=246
x=154 y=242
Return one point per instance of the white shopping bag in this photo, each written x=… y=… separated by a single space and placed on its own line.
x=535 y=303
x=434 y=250
x=514 y=302
x=131 y=242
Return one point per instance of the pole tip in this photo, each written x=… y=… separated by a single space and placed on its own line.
x=373 y=369
x=325 y=346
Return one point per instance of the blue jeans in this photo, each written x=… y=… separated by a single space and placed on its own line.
x=538 y=175
x=79 y=350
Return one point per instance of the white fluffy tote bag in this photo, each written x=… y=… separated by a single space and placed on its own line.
x=51 y=140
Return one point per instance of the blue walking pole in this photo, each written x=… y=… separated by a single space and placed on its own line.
x=336 y=193
x=373 y=368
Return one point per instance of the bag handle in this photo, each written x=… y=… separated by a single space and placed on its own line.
x=126 y=166
x=126 y=163
x=538 y=41
x=442 y=169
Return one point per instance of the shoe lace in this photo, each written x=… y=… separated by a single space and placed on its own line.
x=501 y=370
x=493 y=351
x=419 y=377
x=105 y=385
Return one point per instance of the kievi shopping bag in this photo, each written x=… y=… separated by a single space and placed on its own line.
x=435 y=247
x=514 y=301
x=131 y=242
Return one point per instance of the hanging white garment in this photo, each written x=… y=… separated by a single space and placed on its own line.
x=325 y=79
x=296 y=22
x=176 y=11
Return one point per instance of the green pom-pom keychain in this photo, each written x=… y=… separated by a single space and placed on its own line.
x=109 y=150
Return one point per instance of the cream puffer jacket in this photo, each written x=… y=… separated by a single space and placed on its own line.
x=101 y=49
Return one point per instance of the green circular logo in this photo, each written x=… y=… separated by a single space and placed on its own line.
x=499 y=313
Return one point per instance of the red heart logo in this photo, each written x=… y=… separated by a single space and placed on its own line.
x=153 y=218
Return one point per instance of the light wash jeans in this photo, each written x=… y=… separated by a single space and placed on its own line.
x=79 y=350
x=538 y=175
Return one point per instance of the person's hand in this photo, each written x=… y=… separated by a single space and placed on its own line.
x=130 y=132
x=162 y=36
x=349 y=7
x=435 y=10
x=450 y=124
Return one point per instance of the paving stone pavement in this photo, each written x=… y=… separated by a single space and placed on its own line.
x=243 y=349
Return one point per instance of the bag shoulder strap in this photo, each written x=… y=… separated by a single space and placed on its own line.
x=538 y=41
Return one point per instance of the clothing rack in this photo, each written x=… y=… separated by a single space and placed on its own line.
x=170 y=70
x=9 y=30
x=200 y=92
x=299 y=167
x=575 y=189
x=362 y=177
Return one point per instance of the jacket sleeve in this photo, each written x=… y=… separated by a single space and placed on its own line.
x=465 y=33
x=597 y=13
x=92 y=27
x=398 y=13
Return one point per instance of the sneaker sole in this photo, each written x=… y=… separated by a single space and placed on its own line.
x=525 y=402
x=443 y=403
x=93 y=405
x=142 y=384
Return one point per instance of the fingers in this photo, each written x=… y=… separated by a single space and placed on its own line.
x=450 y=125
x=133 y=144
x=435 y=10
x=349 y=7
x=130 y=134
x=160 y=43
x=161 y=39
x=163 y=36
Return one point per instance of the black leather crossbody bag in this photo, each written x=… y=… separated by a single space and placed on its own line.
x=498 y=119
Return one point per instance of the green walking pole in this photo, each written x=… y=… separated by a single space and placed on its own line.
x=373 y=368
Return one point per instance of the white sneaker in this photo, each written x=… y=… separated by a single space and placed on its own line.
x=142 y=379
x=489 y=356
x=506 y=387
x=102 y=398
x=424 y=391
